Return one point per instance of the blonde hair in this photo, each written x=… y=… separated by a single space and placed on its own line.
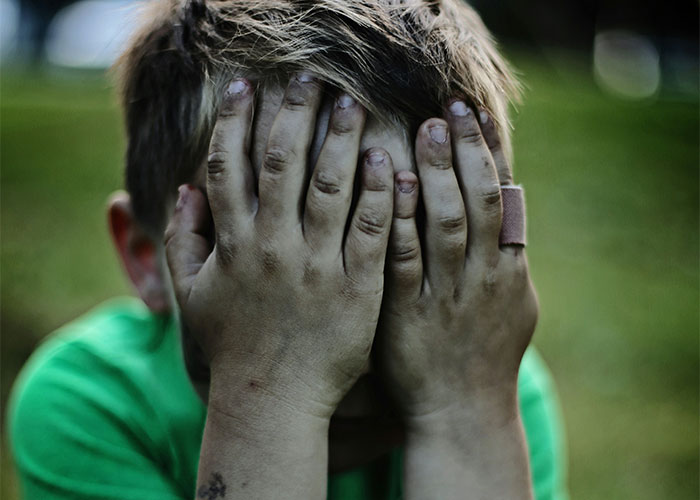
x=402 y=59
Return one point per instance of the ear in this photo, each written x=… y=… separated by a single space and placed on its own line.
x=138 y=252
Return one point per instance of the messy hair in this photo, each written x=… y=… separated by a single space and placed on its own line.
x=402 y=59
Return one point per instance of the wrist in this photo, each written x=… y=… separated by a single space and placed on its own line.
x=493 y=409
x=475 y=445
x=257 y=390
x=260 y=417
x=260 y=446
x=273 y=432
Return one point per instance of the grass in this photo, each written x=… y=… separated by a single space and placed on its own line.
x=612 y=192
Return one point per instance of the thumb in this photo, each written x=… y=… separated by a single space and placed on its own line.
x=186 y=244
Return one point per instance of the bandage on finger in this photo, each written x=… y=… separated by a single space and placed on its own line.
x=513 y=221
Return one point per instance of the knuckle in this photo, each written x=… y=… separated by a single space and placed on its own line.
x=229 y=112
x=299 y=96
x=491 y=197
x=378 y=185
x=270 y=260
x=226 y=249
x=470 y=133
x=312 y=273
x=406 y=252
x=440 y=163
x=277 y=159
x=224 y=256
x=326 y=182
x=216 y=161
x=342 y=126
x=371 y=223
x=452 y=223
x=294 y=102
x=234 y=108
x=488 y=283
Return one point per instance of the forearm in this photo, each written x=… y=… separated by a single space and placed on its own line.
x=260 y=448
x=475 y=451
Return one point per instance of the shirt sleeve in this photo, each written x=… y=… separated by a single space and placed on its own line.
x=76 y=436
x=541 y=414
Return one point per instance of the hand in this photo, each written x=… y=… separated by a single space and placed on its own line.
x=459 y=311
x=285 y=305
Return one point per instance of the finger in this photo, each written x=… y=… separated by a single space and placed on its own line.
x=405 y=265
x=365 y=245
x=477 y=172
x=493 y=141
x=186 y=244
x=330 y=191
x=445 y=218
x=230 y=181
x=283 y=173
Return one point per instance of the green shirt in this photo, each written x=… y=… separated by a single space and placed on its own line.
x=104 y=410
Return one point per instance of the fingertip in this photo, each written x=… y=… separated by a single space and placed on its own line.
x=187 y=195
x=483 y=116
x=180 y=215
x=406 y=181
x=306 y=77
x=433 y=146
x=347 y=117
x=182 y=196
x=376 y=157
x=406 y=195
x=238 y=90
x=406 y=184
x=378 y=169
x=463 y=121
x=488 y=129
x=303 y=89
x=492 y=137
x=190 y=209
x=345 y=101
x=459 y=109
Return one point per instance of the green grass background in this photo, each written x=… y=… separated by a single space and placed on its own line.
x=612 y=191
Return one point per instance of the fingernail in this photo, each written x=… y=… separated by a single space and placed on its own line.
x=376 y=158
x=483 y=117
x=182 y=193
x=237 y=87
x=407 y=187
x=305 y=77
x=459 y=108
x=234 y=90
x=345 y=101
x=438 y=133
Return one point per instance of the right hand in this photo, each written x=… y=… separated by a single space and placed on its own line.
x=285 y=304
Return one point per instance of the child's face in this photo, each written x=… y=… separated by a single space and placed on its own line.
x=362 y=427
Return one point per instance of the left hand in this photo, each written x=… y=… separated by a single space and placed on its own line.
x=459 y=311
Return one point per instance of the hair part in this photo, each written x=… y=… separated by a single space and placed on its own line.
x=401 y=59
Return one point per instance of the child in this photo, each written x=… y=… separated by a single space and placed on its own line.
x=303 y=312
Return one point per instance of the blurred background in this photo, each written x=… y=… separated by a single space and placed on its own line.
x=606 y=142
